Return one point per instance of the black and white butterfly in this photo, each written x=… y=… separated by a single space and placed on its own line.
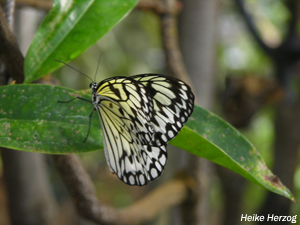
x=138 y=116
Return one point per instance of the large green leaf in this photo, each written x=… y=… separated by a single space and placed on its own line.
x=69 y=29
x=31 y=119
x=208 y=136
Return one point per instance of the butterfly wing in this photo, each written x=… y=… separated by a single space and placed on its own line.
x=173 y=103
x=125 y=112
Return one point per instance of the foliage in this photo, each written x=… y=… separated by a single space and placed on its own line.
x=33 y=120
x=69 y=29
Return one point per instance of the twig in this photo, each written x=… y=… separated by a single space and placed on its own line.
x=79 y=184
x=293 y=7
x=151 y=5
x=8 y=7
x=159 y=7
x=169 y=194
x=82 y=191
x=288 y=52
x=171 y=44
x=10 y=53
x=291 y=39
x=43 y=5
x=252 y=28
x=168 y=10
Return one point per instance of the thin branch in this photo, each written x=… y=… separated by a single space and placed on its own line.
x=168 y=11
x=168 y=195
x=171 y=43
x=293 y=7
x=288 y=52
x=81 y=189
x=79 y=184
x=151 y=5
x=159 y=7
x=10 y=53
x=252 y=28
x=291 y=40
x=43 y=5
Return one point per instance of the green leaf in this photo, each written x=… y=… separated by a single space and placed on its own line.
x=70 y=28
x=31 y=119
x=208 y=136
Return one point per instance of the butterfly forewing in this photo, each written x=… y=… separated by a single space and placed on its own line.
x=134 y=103
x=173 y=103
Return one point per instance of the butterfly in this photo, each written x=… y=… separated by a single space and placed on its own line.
x=138 y=116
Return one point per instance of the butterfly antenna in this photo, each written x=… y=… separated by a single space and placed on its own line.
x=98 y=65
x=73 y=69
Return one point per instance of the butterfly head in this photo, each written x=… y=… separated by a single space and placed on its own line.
x=93 y=87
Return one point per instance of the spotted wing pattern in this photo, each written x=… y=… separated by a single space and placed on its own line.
x=139 y=115
x=173 y=102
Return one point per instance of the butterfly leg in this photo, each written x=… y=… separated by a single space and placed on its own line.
x=89 y=125
x=90 y=115
x=74 y=99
